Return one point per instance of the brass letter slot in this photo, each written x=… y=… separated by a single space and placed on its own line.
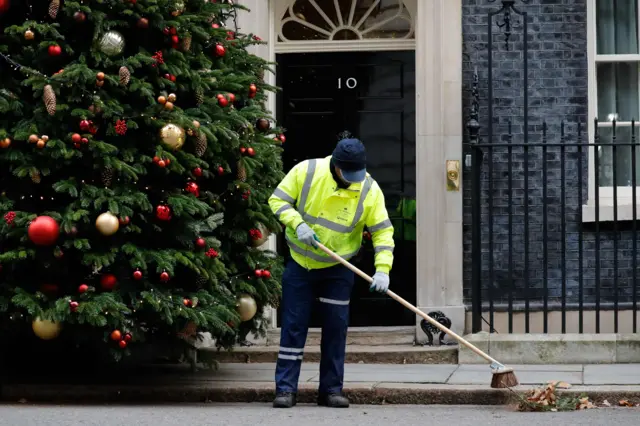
x=453 y=175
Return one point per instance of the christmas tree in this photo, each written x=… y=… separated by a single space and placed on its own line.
x=136 y=160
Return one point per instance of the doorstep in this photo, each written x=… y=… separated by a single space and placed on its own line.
x=355 y=354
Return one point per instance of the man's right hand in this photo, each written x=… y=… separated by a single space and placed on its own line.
x=306 y=235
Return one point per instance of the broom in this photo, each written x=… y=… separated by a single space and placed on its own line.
x=503 y=377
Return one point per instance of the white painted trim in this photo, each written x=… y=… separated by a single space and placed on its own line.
x=624 y=193
x=317 y=46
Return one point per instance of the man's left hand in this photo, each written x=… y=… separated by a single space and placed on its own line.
x=380 y=282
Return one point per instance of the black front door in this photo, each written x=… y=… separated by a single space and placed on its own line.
x=371 y=96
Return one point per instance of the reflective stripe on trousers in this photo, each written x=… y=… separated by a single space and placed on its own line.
x=331 y=289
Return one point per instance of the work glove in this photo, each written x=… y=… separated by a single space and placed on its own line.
x=306 y=235
x=380 y=282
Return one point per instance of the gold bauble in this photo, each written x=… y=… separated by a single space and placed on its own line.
x=172 y=136
x=246 y=307
x=265 y=236
x=107 y=224
x=45 y=329
x=112 y=43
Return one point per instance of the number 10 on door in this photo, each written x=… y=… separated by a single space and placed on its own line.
x=349 y=83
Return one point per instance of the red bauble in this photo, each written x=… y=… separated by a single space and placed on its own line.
x=197 y=172
x=122 y=344
x=187 y=302
x=220 y=170
x=128 y=337
x=55 y=50
x=193 y=188
x=4 y=5
x=85 y=125
x=251 y=151
x=73 y=306
x=220 y=50
x=116 y=335
x=162 y=164
x=124 y=221
x=266 y=274
x=222 y=101
x=108 y=281
x=259 y=273
x=163 y=212
x=76 y=138
x=44 y=231
x=215 y=26
x=83 y=288
x=211 y=253
x=232 y=97
x=164 y=276
x=137 y=275
x=282 y=138
x=243 y=150
x=201 y=243
x=253 y=88
x=173 y=31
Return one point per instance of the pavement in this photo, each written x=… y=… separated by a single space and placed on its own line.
x=264 y=415
x=364 y=384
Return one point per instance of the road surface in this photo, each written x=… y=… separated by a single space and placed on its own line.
x=307 y=415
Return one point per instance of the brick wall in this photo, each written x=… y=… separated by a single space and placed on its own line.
x=557 y=72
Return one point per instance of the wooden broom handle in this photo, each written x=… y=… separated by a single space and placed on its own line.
x=408 y=305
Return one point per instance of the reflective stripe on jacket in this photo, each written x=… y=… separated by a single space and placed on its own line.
x=308 y=193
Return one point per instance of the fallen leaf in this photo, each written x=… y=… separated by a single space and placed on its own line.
x=625 y=403
x=606 y=403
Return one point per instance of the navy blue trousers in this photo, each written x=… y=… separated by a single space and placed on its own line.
x=301 y=288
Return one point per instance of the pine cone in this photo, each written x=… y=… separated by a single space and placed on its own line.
x=35 y=176
x=107 y=176
x=54 y=8
x=201 y=144
x=125 y=75
x=49 y=97
x=199 y=96
x=242 y=172
x=185 y=44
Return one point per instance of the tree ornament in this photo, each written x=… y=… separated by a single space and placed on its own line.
x=43 y=231
x=121 y=127
x=108 y=282
x=201 y=243
x=4 y=5
x=201 y=144
x=29 y=35
x=107 y=224
x=125 y=75
x=54 y=8
x=124 y=221
x=266 y=274
x=49 y=97
x=143 y=23
x=73 y=306
x=9 y=217
x=163 y=212
x=54 y=50
x=220 y=50
x=35 y=175
x=46 y=329
x=199 y=96
x=222 y=101
x=178 y=8
x=242 y=172
x=164 y=277
x=259 y=235
x=211 y=253
x=79 y=17
x=137 y=275
x=5 y=143
x=185 y=43
x=85 y=125
x=122 y=344
x=220 y=171
x=246 y=307
x=116 y=335
x=127 y=337
x=172 y=136
x=193 y=188
x=112 y=43
x=187 y=302
x=258 y=273
x=197 y=172
x=83 y=288
x=263 y=124
x=251 y=151
x=107 y=175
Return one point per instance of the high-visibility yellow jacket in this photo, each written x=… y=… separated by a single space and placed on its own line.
x=308 y=193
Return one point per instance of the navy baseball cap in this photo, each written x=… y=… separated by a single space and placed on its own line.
x=351 y=158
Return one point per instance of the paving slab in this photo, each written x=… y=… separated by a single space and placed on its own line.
x=471 y=375
x=529 y=367
x=612 y=374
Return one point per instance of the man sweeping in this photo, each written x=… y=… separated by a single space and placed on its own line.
x=329 y=200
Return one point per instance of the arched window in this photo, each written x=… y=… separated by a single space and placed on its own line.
x=336 y=20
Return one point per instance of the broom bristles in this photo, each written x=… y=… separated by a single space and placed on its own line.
x=505 y=378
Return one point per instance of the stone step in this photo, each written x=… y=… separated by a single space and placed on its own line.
x=367 y=336
x=378 y=354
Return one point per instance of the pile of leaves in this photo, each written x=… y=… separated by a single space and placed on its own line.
x=546 y=398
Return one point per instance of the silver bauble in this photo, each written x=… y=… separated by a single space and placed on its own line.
x=112 y=43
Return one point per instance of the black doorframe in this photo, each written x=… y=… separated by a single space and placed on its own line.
x=320 y=111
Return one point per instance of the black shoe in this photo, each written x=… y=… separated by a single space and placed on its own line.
x=284 y=400
x=333 y=400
